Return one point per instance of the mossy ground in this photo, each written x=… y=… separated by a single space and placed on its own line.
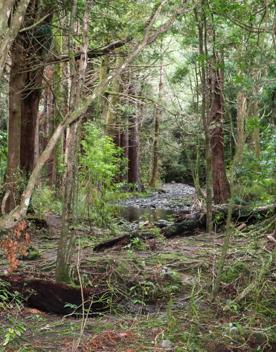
x=160 y=298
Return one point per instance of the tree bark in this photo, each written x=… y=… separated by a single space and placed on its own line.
x=10 y=24
x=156 y=138
x=221 y=188
x=66 y=243
x=133 y=147
x=241 y=115
x=24 y=95
x=14 y=128
x=29 y=119
x=202 y=36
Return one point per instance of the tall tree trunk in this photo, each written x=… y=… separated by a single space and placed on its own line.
x=241 y=115
x=133 y=146
x=156 y=139
x=254 y=112
x=221 y=188
x=133 y=151
x=67 y=241
x=24 y=95
x=14 y=129
x=202 y=35
x=29 y=119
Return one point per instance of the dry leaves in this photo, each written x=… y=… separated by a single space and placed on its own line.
x=107 y=341
x=14 y=244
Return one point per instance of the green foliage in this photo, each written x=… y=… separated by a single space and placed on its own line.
x=180 y=73
x=8 y=299
x=233 y=272
x=136 y=243
x=99 y=164
x=44 y=200
x=256 y=175
x=13 y=333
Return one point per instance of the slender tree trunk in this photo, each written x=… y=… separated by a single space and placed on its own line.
x=241 y=115
x=254 y=112
x=133 y=151
x=67 y=241
x=133 y=146
x=255 y=137
x=202 y=33
x=156 y=139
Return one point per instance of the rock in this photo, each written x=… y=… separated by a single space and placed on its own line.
x=167 y=345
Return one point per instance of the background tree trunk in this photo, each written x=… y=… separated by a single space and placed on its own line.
x=133 y=146
x=241 y=115
x=156 y=138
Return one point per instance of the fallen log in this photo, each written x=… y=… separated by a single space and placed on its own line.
x=189 y=224
x=51 y=297
x=121 y=241
x=117 y=241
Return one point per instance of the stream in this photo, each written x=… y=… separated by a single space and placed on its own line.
x=162 y=204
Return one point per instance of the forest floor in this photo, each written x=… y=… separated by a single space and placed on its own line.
x=158 y=293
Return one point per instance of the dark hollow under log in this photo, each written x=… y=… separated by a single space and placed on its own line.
x=52 y=297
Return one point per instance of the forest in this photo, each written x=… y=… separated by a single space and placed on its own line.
x=138 y=175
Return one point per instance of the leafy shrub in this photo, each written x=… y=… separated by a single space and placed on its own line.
x=44 y=200
x=256 y=175
x=99 y=165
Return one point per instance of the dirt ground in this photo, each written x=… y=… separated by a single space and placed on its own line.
x=158 y=291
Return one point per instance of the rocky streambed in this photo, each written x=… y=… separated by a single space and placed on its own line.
x=170 y=199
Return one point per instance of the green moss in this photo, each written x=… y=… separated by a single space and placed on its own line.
x=234 y=271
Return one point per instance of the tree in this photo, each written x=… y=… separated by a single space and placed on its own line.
x=156 y=138
x=150 y=34
x=29 y=48
x=11 y=19
x=221 y=189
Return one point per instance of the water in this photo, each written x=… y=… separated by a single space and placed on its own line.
x=132 y=214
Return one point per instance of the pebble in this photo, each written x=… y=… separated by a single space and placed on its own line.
x=167 y=345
